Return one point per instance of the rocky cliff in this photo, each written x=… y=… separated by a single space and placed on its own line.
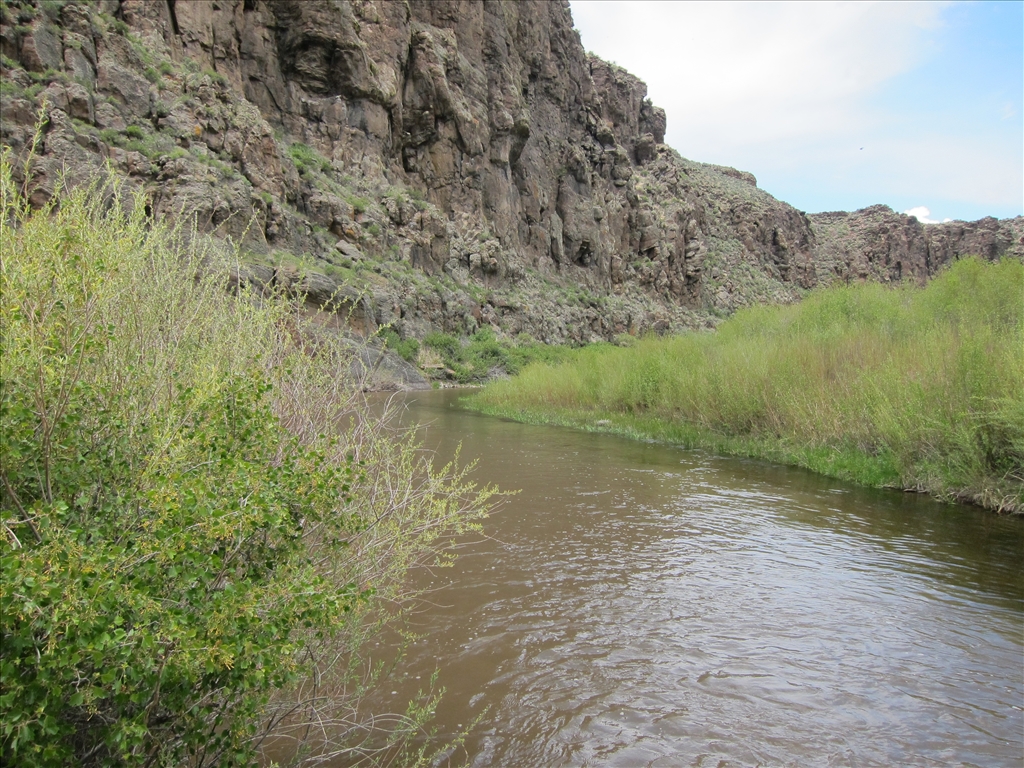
x=452 y=164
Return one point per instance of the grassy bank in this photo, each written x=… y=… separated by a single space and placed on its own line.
x=901 y=387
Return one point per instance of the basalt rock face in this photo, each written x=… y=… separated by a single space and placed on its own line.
x=878 y=243
x=453 y=163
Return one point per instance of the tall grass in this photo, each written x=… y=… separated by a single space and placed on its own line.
x=905 y=387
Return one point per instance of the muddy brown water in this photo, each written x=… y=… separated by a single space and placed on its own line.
x=641 y=605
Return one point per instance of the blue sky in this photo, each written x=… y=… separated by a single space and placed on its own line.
x=836 y=106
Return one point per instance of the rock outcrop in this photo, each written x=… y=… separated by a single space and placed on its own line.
x=878 y=243
x=453 y=163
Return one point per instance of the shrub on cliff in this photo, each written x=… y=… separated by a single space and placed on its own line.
x=198 y=514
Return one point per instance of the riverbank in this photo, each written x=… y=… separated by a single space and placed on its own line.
x=910 y=388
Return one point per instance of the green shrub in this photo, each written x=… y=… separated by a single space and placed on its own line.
x=215 y=77
x=484 y=353
x=307 y=159
x=184 y=533
x=407 y=349
x=52 y=8
x=111 y=136
x=10 y=88
x=444 y=343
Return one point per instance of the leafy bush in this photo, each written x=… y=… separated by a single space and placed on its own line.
x=444 y=343
x=189 y=531
x=407 y=349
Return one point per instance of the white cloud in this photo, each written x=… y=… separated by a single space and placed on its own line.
x=923 y=215
x=735 y=74
x=949 y=167
x=805 y=96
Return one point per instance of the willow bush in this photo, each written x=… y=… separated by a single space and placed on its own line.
x=202 y=522
x=918 y=388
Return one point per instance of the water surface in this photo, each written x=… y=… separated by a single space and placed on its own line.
x=642 y=605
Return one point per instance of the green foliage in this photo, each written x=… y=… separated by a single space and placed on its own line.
x=444 y=343
x=916 y=388
x=419 y=199
x=52 y=8
x=10 y=88
x=407 y=349
x=44 y=78
x=110 y=136
x=484 y=355
x=134 y=132
x=307 y=159
x=481 y=355
x=176 y=153
x=215 y=77
x=184 y=516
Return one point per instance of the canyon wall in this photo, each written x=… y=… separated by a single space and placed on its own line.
x=452 y=164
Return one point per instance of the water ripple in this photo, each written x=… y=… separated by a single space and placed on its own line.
x=659 y=607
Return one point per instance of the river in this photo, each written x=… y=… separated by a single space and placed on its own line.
x=642 y=605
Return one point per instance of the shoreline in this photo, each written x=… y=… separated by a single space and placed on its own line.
x=848 y=464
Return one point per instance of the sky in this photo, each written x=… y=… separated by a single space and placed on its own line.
x=836 y=105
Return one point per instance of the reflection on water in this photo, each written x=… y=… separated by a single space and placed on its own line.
x=638 y=604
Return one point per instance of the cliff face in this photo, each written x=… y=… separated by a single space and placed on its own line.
x=461 y=163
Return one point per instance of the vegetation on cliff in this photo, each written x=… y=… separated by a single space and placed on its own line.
x=899 y=387
x=201 y=523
